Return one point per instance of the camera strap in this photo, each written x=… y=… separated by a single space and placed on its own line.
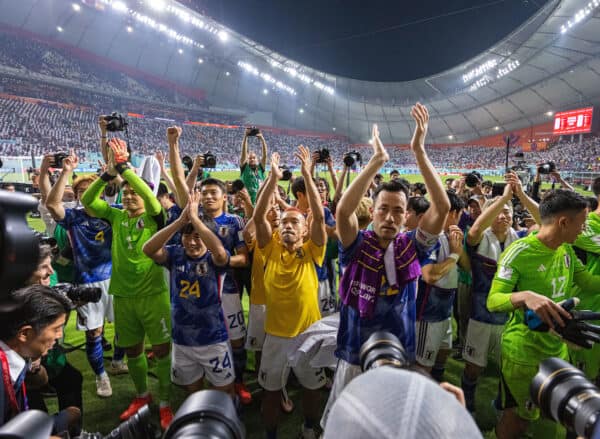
x=8 y=385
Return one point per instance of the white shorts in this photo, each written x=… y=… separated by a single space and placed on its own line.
x=431 y=337
x=91 y=316
x=191 y=363
x=326 y=301
x=256 y=327
x=344 y=373
x=275 y=368
x=234 y=316
x=482 y=338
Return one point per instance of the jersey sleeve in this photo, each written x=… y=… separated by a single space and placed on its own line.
x=424 y=243
x=329 y=219
x=317 y=252
x=98 y=207
x=347 y=254
x=588 y=241
x=69 y=218
x=171 y=255
x=504 y=283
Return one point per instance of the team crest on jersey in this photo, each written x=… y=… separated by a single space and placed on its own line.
x=567 y=261
x=181 y=268
x=201 y=269
x=140 y=224
x=223 y=231
x=300 y=253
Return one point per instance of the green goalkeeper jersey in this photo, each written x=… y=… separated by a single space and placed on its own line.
x=589 y=242
x=528 y=265
x=133 y=273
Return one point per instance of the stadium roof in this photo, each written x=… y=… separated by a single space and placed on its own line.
x=545 y=65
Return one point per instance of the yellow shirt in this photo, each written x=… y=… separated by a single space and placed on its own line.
x=257 y=276
x=291 y=287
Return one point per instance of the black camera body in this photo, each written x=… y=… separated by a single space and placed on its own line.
x=287 y=173
x=323 y=155
x=472 y=179
x=59 y=158
x=351 y=158
x=547 y=168
x=252 y=131
x=79 y=294
x=115 y=122
x=210 y=160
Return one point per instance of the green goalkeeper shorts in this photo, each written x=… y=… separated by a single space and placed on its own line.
x=137 y=317
x=515 y=380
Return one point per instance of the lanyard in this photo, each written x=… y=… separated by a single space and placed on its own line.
x=10 y=390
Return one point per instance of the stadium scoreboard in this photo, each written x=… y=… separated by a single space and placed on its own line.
x=573 y=121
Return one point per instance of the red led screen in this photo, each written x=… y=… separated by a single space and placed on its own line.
x=574 y=121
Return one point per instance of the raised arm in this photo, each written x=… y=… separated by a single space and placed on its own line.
x=181 y=187
x=347 y=223
x=244 y=152
x=44 y=180
x=160 y=157
x=91 y=197
x=154 y=248
x=513 y=179
x=263 y=228
x=103 y=138
x=318 y=234
x=263 y=147
x=488 y=216
x=339 y=186
x=54 y=202
x=563 y=183
x=433 y=220
x=434 y=272
x=190 y=181
x=334 y=180
x=220 y=256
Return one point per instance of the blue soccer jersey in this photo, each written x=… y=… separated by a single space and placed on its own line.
x=195 y=284
x=172 y=214
x=394 y=309
x=434 y=301
x=484 y=262
x=229 y=230
x=91 y=240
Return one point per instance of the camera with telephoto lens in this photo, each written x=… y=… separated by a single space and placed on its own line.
x=252 y=131
x=136 y=427
x=188 y=162
x=79 y=294
x=472 y=179
x=546 y=168
x=210 y=160
x=564 y=394
x=322 y=155
x=287 y=174
x=115 y=122
x=352 y=157
x=382 y=349
x=59 y=158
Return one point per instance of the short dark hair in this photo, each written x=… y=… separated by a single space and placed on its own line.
x=188 y=229
x=37 y=305
x=298 y=186
x=596 y=186
x=419 y=187
x=394 y=171
x=592 y=203
x=45 y=251
x=418 y=204
x=456 y=203
x=561 y=201
x=214 y=182
x=162 y=189
x=391 y=186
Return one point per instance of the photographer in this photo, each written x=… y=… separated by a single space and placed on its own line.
x=141 y=296
x=537 y=272
x=27 y=333
x=383 y=296
x=252 y=173
x=91 y=240
x=290 y=282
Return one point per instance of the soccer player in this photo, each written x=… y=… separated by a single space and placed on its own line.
x=141 y=296
x=252 y=172
x=173 y=210
x=91 y=240
x=537 y=272
x=229 y=229
x=290 y=283
x=487 y=238
x=200 y=347
x=415 y=209
x=437 y=290
x=382 y=297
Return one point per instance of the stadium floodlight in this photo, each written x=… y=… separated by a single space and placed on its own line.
x=60 y=29
x=200 y=60
x=450 y=136
x=180 y=51
x=265 y=91
x=301 y=110
x=119 y=6
x=333 y=128
x=579 y=16
x=201 y=46
x=266 y=77
x=549 y=113
x=227 y=73
x=496 y=128
x=223 y=36
x=76 y=7
x=157 y=5
x=129 y=29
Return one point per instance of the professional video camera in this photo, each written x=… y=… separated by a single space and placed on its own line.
x=563 y=393
x=472 y=179
x=287 y=173
x=352 y=157
x=115 y=122
x=322 y=155
x=204 y=414
x=547 y=168
x=79 y=294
